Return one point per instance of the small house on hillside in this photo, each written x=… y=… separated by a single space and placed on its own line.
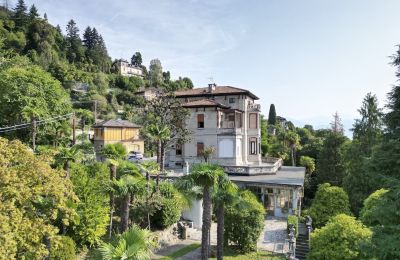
x=117 y=131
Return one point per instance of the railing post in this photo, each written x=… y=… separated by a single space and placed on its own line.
x=309 y=227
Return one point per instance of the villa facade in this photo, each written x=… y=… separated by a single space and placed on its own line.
x=125 y=69
x=228 y=119
x=225 y=118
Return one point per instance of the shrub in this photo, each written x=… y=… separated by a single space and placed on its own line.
x=341 y=238
x=244 y=222
x=294 y=220
x=329 y=201
x=64 y=249
x=171 y=206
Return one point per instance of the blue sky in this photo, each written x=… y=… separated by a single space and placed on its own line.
x=310 y=58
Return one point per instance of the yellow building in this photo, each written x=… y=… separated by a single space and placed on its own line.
x=117 y=131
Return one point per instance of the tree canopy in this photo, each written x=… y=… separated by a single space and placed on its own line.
x=33 y=196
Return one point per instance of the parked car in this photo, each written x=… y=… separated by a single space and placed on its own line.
x=135 y=156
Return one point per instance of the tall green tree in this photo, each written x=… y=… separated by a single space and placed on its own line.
x=89 y=184
x=367 y=132
x=75 y=50
x=20 y=14
x=33 y=12
x=136 y=59
x=155 y=73
x=272 y=115
x=330 y=160
x=225 y=193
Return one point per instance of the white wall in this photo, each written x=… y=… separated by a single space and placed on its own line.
x=195 y=213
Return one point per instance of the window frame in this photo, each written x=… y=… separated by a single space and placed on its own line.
x=200 y=124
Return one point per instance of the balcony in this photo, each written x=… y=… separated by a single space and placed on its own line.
x=254 y=107
x=268 y=167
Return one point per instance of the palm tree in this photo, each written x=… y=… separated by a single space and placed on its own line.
x=225 y=193
x=125 y=187
x=149 y=167
x=66 y=156
x=159 y=134
x=206 y=176
x=133 y=244
x=113 y=152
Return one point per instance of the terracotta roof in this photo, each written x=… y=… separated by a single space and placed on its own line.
x=116 y=123
x=218 y=91
x=204 y=103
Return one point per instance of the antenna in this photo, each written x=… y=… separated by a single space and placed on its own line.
x=211 y=79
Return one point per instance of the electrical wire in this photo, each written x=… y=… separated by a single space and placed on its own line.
x=27 y=125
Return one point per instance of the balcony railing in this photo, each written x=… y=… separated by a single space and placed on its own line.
x=254 y=107
x=267 y=168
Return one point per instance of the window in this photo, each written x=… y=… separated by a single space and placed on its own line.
x=253 y=145
x=178 y=149
x=231 y=100
x=200 y=149
x=200 y=121
x=226 y=148
x=253 y=124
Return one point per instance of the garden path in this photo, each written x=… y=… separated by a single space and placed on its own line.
x=273 y=237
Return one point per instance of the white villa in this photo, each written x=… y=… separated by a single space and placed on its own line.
x=126 y=69
x=228 y=119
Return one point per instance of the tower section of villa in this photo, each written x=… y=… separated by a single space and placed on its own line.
x=225 y=118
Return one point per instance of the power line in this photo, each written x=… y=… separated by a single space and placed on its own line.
x=27 y=125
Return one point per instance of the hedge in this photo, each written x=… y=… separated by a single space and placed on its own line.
x=244 y=222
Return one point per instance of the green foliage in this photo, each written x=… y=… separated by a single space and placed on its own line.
x=330 y=162
x=90 y=184
x=29 y=92
x=115 y=151
x=264 y=137
x=32 y=197
x=381 y=213
x=171 y=208
x=64 y=249
x=155 y=73
x=293 y=220
x=329 y=201
x=244 y=222
x=341 y=238
x=367 y=133
x=272 y=115
x=133 y=244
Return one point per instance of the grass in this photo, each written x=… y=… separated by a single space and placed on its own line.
x=181 y=252
x=230 y=254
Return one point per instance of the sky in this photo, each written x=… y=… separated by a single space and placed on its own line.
x=311 y=58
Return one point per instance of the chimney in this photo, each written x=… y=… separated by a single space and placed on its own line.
x=211 y=87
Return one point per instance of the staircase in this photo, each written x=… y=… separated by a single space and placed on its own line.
x=302 y=245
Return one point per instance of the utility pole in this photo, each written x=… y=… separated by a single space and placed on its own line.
x=95 y=111
x=33 y=122
x=73 y=130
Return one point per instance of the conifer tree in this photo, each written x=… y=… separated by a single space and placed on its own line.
x=33 y=12
x=272 y=115
x=20 y=14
